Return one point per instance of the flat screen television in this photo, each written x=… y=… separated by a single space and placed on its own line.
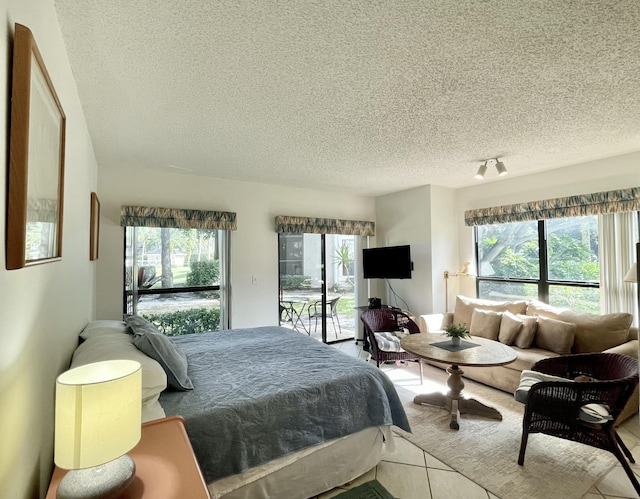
x=390 y=262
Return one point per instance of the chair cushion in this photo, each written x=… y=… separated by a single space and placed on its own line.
x=389 y=341
x=589 y=413
x=595 y=413
x=528 y=379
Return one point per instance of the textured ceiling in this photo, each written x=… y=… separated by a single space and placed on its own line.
x=363 y=96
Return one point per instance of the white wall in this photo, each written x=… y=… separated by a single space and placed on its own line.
x=450 y=243
x=619 y=172
x=431 y=219
x=424 y=218
x=254 y=246
x=43 y=308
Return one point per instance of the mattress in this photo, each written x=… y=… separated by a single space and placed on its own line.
x=263 y=394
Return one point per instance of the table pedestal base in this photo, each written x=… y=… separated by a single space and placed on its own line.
x=454 y=402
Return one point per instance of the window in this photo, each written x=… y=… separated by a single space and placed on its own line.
x=180 y=278
x=554 y=260
x=176 y=267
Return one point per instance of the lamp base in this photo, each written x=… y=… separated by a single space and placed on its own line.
x=98 y=482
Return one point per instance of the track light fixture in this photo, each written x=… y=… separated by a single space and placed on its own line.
x=502 y=170
x=481 y=171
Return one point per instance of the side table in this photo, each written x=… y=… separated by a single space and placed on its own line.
x=166 y=467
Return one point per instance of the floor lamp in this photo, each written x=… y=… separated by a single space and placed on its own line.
x=460 y=273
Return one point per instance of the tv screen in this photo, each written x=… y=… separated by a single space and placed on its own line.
x=390 y=262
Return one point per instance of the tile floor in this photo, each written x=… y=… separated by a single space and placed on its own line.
x=411 y=473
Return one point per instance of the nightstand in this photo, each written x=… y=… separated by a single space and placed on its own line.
x=166 y=467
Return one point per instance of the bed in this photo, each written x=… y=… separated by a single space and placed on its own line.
x=270 y=408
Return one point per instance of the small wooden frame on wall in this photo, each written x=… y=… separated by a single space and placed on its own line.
x=36 y=160
x=95 y=227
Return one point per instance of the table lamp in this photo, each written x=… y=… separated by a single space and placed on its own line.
x=98 y=420
x=632 y=274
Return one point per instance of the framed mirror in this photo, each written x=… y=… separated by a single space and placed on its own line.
x=36 y=159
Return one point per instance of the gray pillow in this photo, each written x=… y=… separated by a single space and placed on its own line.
x=140 y=325
x=156 y=345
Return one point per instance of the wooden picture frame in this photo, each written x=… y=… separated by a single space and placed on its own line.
x=94 y=227
x=36 y=160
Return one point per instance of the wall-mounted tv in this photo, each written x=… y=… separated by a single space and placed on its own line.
x=390 y=262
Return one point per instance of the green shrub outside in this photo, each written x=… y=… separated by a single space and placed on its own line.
x=294 y=281
x=196 y=320
x=204 y=273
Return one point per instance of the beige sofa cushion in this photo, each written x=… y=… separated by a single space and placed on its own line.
x=594 y=332
x=528 y=356
x=528 y=331
x=555 y=335
x=485 y=323
x=510 y=326
x=465 y=306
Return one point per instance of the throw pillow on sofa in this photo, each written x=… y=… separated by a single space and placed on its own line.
x=556 y=336
x=485 y=324
x=595 y=332
x=465 y=306
x=528 y=331
x=510 y=326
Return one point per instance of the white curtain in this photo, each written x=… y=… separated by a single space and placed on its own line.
x=618 y=236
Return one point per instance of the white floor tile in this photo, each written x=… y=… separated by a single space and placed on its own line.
x=403 y=470
x=616 y=483
x=432 y=462
x=404 y=453
x=448 y=484
x=403 y=480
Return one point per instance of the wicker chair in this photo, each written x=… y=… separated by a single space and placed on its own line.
x=554 y=407
x=387 y=320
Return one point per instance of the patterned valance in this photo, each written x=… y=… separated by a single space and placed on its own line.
x=597 y=203
x=142 y=216
x=302 y=225
x=42 y=210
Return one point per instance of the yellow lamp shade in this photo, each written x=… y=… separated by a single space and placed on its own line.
x=98 y=413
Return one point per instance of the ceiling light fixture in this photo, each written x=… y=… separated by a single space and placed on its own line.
x=481 y=171
x=502 y=170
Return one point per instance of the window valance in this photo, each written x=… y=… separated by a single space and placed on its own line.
x=143 y=216
x=597 y=203
x=301 y=225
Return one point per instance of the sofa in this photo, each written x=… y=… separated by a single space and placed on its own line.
x=535 y=330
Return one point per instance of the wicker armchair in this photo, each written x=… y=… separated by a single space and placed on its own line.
x=387 y=320
x=554 y=407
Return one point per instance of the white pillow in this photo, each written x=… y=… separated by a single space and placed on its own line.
x=118 y=346
x=104 y=327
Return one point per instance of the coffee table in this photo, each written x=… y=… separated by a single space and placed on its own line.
x=485 y=353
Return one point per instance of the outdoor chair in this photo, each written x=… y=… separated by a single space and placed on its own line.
x=383 y=346
x=584 y=406
x=315 y=312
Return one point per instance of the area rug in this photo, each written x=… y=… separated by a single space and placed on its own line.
x=368 y=490
x=486 y=450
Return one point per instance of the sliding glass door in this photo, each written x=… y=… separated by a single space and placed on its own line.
x=317 y=284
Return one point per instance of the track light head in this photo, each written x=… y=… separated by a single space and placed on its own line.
x=481 y=171
x=502 y=170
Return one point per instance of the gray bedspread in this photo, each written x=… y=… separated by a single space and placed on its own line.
x=264 y=392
